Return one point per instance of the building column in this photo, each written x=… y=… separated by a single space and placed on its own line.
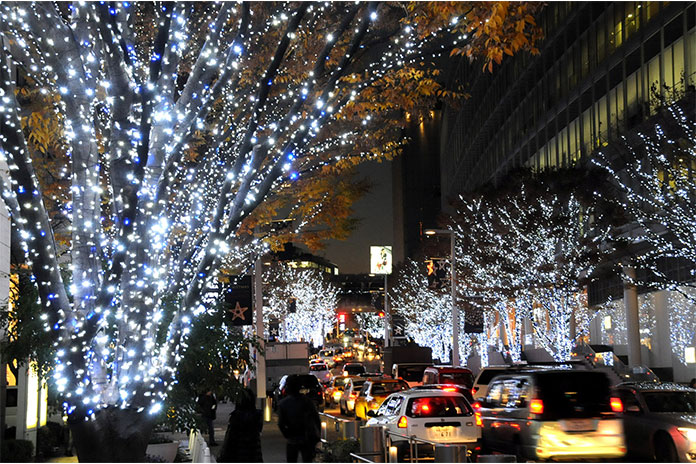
x=661 y=342
x=632 y=318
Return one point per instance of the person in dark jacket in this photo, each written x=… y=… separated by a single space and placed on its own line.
x=243 y=437
x=299 y=423
x=207 y=405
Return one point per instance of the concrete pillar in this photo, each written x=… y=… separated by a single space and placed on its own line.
x=596 y=327
x=573 y=326
x=661 y=343
x=632 y=318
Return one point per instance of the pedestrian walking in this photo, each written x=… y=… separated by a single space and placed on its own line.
x=207 y=404
x=299 y=423
x=243 y=436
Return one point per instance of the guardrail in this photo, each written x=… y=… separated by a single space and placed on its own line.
x=346 y=428
x=444 y=452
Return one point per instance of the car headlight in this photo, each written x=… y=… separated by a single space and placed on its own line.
x=689 y=433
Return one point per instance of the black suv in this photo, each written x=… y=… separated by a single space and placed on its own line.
x=309 y=387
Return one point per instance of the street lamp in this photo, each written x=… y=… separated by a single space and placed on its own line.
x=455 y=308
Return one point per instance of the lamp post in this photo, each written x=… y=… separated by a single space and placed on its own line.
x=455 y=308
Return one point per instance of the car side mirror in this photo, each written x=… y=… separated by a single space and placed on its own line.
x=371 y=413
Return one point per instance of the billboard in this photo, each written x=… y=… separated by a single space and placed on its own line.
x=380 y=260
x=237 y=301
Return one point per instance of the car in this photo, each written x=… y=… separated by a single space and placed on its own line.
x=333 y=391
x=309 y=387
x=450 y=387
x=346 y=403
x=552 y=414
x=659 y=421
x=448 y=375
x=373 y=392
x=328 y=357
x=412 y=373
x=321 y=372
x=480 y=386
x=352 y=369
x=434 y=415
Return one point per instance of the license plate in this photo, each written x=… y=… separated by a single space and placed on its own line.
x=578 y=425
x=304 y=391
x=443 y=432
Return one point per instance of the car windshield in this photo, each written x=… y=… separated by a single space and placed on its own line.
x=670 y=401
x=458 y=378
x=438 y=406
x=318 y=367
x=354 y=369
x=574 y=394
x=388 y=387
x=411 y=373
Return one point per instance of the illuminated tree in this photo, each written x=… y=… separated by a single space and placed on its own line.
x=179 y=121
x=530 y=252
x=653 y=171
x=427 y=312
x=371 y=323
x=313 y=299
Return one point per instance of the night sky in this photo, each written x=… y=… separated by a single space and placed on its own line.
x=352 y=256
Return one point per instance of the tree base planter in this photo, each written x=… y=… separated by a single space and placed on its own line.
x=166 y=451
x=113 y=435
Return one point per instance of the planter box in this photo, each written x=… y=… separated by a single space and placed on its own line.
x=166 y=451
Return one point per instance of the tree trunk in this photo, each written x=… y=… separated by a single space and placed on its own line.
x=114 y=435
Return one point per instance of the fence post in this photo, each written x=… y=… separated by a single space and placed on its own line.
x=450 y=453
x=371 y=443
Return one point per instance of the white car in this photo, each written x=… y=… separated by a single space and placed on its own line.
x=434 y=415
x=321 y=372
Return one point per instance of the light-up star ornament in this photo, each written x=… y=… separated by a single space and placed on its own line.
x=238 y=311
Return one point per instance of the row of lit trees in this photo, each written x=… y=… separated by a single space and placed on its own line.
x=183 y=126
x=528 y=250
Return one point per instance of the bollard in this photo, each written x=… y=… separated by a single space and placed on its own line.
x=450 y=453
x=371 y=443
x=393 y=454
x=267 y=409
x=350 y=429
x=323 y=430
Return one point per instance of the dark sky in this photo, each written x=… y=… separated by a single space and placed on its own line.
x=352 y=256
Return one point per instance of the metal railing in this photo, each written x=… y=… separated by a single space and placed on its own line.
x=459 y=450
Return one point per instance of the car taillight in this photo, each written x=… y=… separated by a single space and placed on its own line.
x=403 y=422
x=474 y=390
x=477 y=416
x=616 y=404
x=353 y=395
x=449 y=389
x=476 y=405
x=536 y=406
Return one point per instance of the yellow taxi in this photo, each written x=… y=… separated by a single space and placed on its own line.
x=373 y=392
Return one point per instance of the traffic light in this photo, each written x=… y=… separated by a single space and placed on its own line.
x=342 y=317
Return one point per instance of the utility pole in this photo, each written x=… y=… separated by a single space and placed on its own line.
x=259 y=352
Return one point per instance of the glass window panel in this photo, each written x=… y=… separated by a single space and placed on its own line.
x=620 y=116
x=631 y=19
x=678 y=57
x=667 y=63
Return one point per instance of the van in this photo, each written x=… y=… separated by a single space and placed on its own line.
x=553 y=414
x=448 y=375
x=412 y=373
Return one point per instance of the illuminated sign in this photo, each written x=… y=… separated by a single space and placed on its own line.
x=380 y=260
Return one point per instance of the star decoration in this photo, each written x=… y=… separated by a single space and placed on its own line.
x=238 y=311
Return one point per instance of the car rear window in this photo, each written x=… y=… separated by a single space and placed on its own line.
x=438 y=406
x=573 y=394
x=308 y=381
x=457 y=378
x=487 y=375
x=354 y=369
x=412 y=373
x=670 y=401
x=388 y=387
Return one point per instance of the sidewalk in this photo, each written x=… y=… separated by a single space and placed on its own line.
x=272 y=441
